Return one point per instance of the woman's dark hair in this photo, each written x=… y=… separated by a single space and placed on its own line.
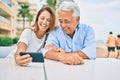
x=52 y=21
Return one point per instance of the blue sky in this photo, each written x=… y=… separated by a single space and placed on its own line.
x=102 y=15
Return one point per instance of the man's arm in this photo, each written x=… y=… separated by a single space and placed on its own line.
x=67 y=58
x=52 y=54
x=80 y=53
x=89 y=46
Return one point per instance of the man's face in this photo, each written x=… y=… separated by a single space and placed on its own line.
x=68 y=22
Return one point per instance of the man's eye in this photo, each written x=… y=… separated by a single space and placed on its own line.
x=67 y=21
x=60 y=21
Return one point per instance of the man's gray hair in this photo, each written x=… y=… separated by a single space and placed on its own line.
x=70 y=6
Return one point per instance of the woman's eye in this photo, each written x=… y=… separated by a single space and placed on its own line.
x=42 y=18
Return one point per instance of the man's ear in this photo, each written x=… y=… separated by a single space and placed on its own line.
x=78 y=18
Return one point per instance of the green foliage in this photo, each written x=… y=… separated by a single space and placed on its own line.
x=5 y=40
x=24 y=11
x=15 y=40
x=52 y=3
x=30 y=18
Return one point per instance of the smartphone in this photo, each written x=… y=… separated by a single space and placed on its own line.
x=36 y=56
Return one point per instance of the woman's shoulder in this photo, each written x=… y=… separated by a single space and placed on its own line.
x=26 y=35
x=27 y=31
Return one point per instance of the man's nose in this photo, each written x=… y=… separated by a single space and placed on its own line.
x=63 y=25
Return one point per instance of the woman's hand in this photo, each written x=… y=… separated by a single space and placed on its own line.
x=22 y=60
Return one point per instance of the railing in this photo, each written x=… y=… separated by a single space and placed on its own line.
x=5 y=20
x=8 y=4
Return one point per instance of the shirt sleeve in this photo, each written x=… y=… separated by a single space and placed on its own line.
x=90 y=44
x=24 y=36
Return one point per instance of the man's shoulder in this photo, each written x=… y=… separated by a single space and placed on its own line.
x=57 y=31
x=111 y=37
x=84 y=26
x=58 y=28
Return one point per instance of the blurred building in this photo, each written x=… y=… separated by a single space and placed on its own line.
x=8 y=15
x=10 y=23
x=33 y=11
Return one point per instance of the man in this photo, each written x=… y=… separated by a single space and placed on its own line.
x=111 y=44
x=118 y=46
x=74 y=41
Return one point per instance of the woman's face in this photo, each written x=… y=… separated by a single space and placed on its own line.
x=44 y=21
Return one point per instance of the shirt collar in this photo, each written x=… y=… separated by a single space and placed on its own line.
x=77 y=28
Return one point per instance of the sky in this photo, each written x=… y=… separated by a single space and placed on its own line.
x=102 y=15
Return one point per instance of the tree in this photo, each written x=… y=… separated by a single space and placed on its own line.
x=52 y=3
x=30 y=18
x=23 y=11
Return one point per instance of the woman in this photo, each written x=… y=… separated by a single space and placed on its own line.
x=32 y=40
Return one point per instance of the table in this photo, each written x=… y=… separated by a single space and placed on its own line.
x=99 y=69
x=9 y=70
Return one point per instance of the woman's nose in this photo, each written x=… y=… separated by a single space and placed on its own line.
x=44 y=21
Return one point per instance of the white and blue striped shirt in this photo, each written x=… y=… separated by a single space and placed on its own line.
x=83 y=40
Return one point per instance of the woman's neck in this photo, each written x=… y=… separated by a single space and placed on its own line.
x=39 y=34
